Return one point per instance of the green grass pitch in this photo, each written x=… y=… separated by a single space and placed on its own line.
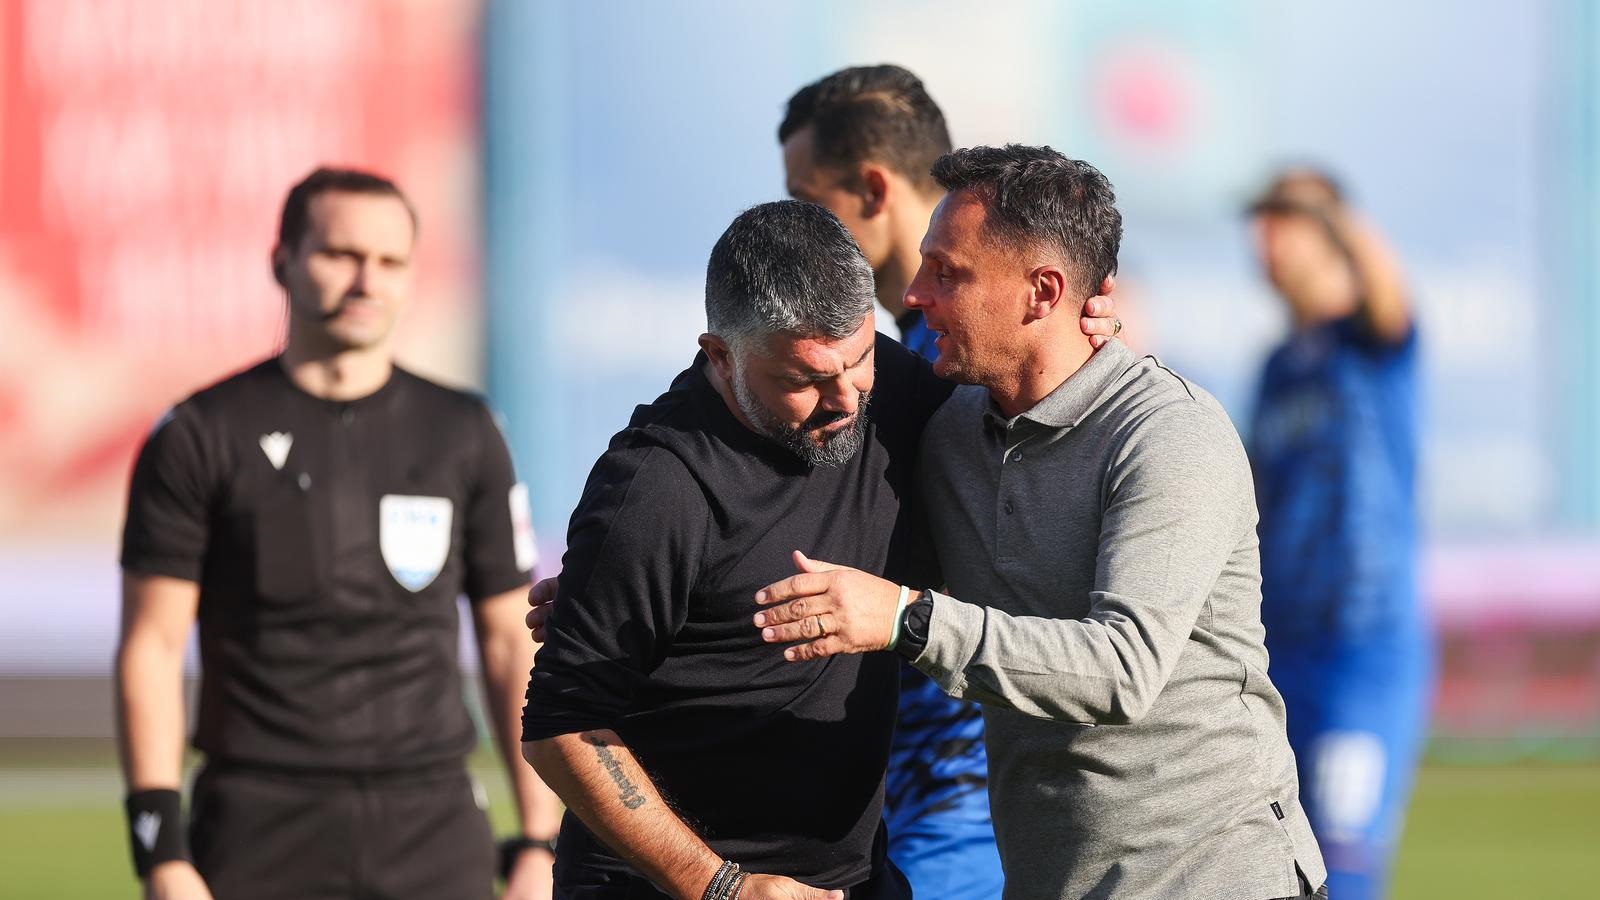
x=1473 y=831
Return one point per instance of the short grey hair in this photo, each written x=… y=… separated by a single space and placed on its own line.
x=790 y=268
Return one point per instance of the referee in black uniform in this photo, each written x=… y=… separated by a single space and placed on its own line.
x=319 y=514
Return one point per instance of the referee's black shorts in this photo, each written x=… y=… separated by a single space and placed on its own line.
x=264 y=835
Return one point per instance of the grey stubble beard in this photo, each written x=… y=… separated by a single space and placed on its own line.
x=835 y=449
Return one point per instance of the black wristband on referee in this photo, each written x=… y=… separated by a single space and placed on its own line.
x=155 y=828
x=511 y=849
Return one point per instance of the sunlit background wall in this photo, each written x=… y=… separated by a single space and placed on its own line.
x=622 y=138
x=574 y=162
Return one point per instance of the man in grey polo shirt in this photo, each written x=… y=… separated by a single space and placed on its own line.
x=1095 y=510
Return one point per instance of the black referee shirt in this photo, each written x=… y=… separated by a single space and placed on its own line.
x=778 y=765
x=330 y=541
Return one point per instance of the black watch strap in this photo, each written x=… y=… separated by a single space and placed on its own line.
x=914 y=626
x=512 y=848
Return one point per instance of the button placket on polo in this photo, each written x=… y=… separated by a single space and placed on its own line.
x=1007 y=503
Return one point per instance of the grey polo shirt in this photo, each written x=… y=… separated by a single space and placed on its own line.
x=1104 y=549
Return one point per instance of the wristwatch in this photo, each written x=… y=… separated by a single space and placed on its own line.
x=914 y=626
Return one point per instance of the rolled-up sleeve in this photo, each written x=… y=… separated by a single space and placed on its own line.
x=1178 y=503
x=634 y=550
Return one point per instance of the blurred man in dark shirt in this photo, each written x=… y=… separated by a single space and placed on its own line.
x=319 y=515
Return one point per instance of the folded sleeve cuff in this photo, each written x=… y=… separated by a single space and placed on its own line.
x=954 y=631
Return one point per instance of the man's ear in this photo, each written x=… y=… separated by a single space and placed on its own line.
x=1050 y=287
x=720 y=354
x=873 y=188
x=280 y=265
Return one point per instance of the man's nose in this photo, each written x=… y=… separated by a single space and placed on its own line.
x=913 y=297
x=841 y=396
x=366 y=271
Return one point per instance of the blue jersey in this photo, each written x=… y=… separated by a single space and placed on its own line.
x=1333 y=447
x=937 y=764
x=914 y=334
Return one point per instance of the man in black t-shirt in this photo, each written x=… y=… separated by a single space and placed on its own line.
x=655 y=710
x=318 y=515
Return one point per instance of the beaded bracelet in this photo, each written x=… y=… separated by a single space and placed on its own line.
x=722 y=882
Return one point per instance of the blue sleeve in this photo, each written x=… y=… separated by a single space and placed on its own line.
x=1353 y=332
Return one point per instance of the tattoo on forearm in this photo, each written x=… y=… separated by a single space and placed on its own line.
x=627 y=791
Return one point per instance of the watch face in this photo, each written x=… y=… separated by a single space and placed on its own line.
x=914 y=626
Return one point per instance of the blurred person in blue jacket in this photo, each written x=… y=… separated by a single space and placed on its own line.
x=1333 y=445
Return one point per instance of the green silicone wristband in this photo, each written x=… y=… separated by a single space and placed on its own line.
x=899 y=613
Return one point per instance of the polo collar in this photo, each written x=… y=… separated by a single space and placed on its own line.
x=1076 y=397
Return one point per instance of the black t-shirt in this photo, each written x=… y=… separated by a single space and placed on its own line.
x=330 y=541
x=778 y=765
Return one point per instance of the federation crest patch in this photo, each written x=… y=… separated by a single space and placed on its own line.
x=414 y=536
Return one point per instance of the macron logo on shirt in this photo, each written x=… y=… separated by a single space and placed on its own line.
x=147 y=826
x=276 y=446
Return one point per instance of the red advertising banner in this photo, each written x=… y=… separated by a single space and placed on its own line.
x=145 y=149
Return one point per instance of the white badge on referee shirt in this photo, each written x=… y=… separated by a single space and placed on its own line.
x=414 y=535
